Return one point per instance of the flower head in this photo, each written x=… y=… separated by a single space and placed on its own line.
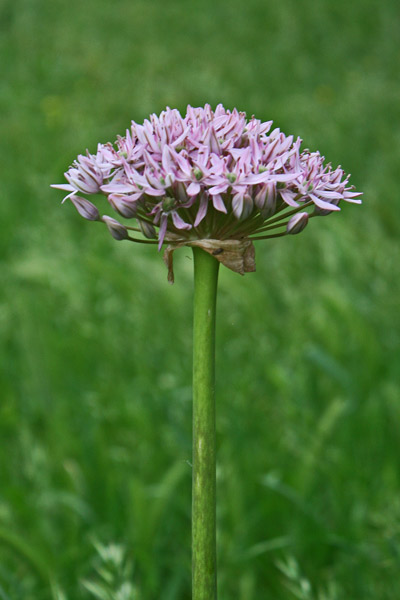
x=208 y=175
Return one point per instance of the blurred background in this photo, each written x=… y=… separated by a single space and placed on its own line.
x=95 y=346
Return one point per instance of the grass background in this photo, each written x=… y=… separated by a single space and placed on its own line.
x=95 y=347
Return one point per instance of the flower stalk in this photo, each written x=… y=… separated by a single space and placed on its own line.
x=204 y=560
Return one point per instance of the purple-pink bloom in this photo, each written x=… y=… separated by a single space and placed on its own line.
x=207 y=175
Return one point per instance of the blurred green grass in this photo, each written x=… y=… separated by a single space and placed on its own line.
x=95 y=347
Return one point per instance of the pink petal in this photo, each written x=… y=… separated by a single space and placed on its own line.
x=63 y=186
x=201 y=213
x=119 y=188
x=178 y=222
x=152 y=192
x=193 y=189
x=322 y=203
x=237 y=205
x=288 y=198
x=352 y=197
x=166 y=159
x=218 y=189
x=326 y=194
x=162 y=230
x=285 y=176
x=218 y=203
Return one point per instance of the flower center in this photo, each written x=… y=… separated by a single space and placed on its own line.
x=168 y=204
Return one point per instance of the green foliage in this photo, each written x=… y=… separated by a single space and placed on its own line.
x=95 y=347
x=299 y=586
x=113 y=575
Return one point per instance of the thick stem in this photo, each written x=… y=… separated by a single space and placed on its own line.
x=204 y=567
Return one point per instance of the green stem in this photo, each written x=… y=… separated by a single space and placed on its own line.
x=268 y=237
x=204 y=567
x=284 y=216
x=139 y=241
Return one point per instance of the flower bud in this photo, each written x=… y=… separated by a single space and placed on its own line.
x=122 y=205
x=297 y=223
x=181 y=191
x=117 y=230
x=242 y=205
x=86 y=209
x=265 y=200
x=147 y=229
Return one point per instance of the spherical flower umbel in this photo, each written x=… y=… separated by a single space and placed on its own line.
x=211 y=175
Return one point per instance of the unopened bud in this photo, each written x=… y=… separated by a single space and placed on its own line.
x=86 y=209
x=147 y=229
x=265 y=200
x=126 y=208
x=181 y=192
x=117 y=230
x=297 y=223
x=242 y=206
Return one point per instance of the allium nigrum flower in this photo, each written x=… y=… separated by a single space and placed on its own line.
x=207 y=176
x=215 y=181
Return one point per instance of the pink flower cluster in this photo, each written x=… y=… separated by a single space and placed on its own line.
x=213 y=175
